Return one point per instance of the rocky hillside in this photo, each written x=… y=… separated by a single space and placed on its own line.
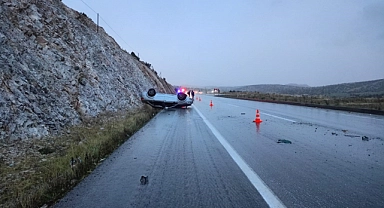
x=55 y=70
x=368 y=88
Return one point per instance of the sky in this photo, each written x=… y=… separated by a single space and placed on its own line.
x=248 y=42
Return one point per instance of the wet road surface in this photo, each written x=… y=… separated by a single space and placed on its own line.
x=217 y=157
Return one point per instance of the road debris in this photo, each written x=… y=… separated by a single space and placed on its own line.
x=350 y=135
x=365 y=138
x=284 y=141
x=144 y=180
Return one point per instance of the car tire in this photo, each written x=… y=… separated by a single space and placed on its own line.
x=151 y=92
x=181 y=96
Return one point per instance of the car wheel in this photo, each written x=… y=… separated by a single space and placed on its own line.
x=151 y=92
x=181 y=96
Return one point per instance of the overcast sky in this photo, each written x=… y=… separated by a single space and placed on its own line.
x=246 y=42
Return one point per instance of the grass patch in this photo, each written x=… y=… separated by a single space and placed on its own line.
x=373 y=103
x=53 y=166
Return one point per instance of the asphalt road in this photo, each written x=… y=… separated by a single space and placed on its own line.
x=217 y=157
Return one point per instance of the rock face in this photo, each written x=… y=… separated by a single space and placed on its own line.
x=55 y=69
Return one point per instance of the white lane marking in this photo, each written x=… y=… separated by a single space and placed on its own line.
x=366 y=117
x=278 y=117
x=234 y=105
x=270 y=198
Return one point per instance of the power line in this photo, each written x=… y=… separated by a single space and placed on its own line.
x=88 y=6
x=108 y=26
x=116 y=33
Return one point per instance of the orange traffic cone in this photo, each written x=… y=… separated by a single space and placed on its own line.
x=257 y=120
x=211 y=104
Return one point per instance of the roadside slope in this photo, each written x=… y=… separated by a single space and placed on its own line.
x=56 y=70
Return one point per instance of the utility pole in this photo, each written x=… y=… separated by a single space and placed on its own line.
x=97 y=28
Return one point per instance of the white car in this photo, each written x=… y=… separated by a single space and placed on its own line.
x=163 y=100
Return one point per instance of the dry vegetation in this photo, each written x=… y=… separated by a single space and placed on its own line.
x=43 y=172
x=375 y=103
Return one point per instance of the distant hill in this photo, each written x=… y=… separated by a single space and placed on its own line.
x=374 y=87
x=298 y=85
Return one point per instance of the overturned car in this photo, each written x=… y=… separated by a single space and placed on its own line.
x=163 y=100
